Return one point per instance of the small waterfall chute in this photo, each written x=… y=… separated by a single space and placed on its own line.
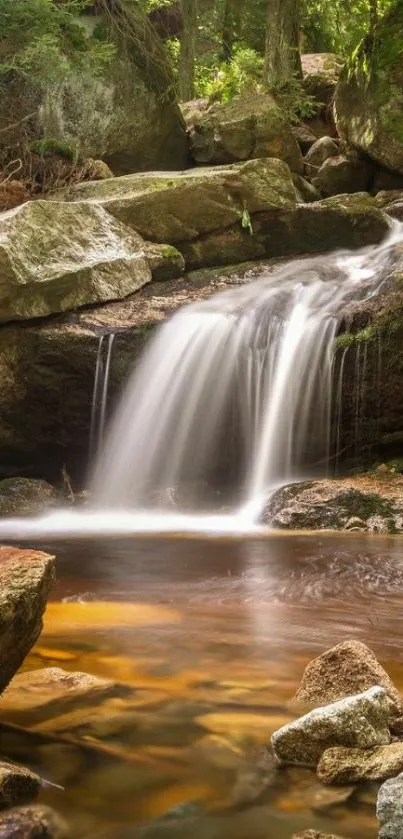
x=100 y=393
x=257 y=358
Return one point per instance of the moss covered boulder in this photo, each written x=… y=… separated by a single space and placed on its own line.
x=55 y=257
x=348 y=221
x=321 y=71
x=249 y=127
x=26 y=497
x=123 y=112
x=346 y=504
x=369 y=94
x=171 y=208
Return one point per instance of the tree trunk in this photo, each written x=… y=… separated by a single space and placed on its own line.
x=282 y=56
x=373 y=23
x=187 y=51
x=231 y=30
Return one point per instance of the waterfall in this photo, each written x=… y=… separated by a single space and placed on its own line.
x=238 y=384
x=100 y=393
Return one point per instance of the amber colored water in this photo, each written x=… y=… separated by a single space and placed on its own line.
x=213 y=634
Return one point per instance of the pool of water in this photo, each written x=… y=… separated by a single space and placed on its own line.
x=212 y=634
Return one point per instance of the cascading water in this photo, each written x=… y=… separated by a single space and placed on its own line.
x=100 y=394
x=254 y=365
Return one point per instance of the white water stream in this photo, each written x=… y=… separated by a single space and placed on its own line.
x=244 y=377
x=257 y=358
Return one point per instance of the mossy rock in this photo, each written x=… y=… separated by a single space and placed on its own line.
x=55 y=257
x=26 y=497
x=349 y=221
x=174 y=207
x=369 y=95
x=332 y=505
x=127 y=115
x=251 y=126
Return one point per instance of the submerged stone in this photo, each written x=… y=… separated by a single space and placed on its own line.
x=33 y=822
x=26 y=578
x=357 y=721
x=37 y=695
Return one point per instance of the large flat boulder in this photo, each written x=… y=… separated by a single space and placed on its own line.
x=26 y=578
x=55 y=257
x=251 y=126
x=349 y=221
x=369 y=95
x=172 y=208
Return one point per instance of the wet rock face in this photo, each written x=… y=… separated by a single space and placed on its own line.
x=17 y=785
x=358 y=721
x=339 y=504
x=249 y=127
x=34 y=822
x=26 y=497
x=345 y=766
x=389 y=809
x=26 y=578
x=348 y=668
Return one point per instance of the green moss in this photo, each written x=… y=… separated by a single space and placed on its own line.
x=365 y=505
x=169 y=252
x=48 y=147
x=348 y=339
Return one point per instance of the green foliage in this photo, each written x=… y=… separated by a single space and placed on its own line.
x=330 y=26
x=246 y=221
x=294 y=100
x=41 y=40
x=242 y=73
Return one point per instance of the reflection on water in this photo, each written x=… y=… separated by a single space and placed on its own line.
x=212 y=636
